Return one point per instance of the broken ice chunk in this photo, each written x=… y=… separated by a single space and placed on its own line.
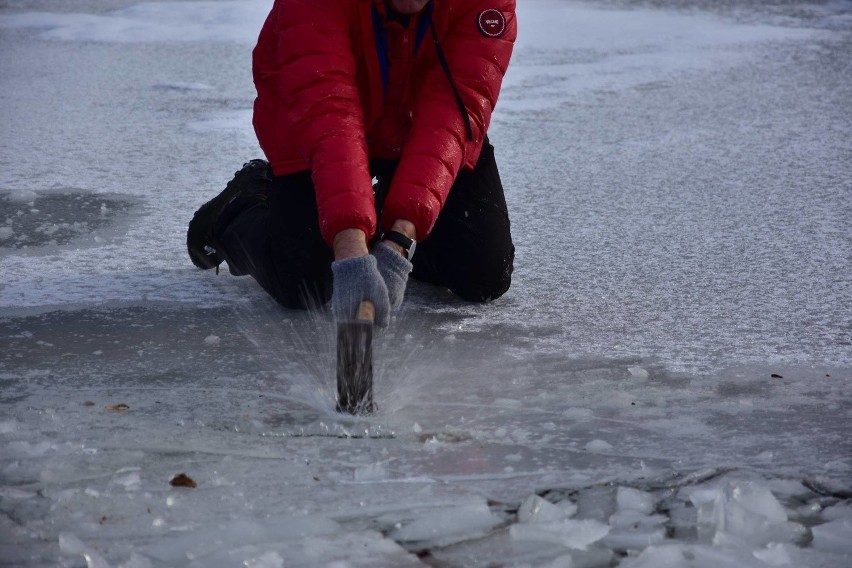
x=630 y=499
x=634 y=530
x=596 y=503
x=774 y=555
x=449 y=525
x=666 y=556
x=627 y=538
x=842 y=510
x=632 y=527
x=833 y=536
x=759 y=500
x=537 y=510
x=71 y=544
x=568 y=507
x=638 y=372
x=743 y=513
x=569 y=533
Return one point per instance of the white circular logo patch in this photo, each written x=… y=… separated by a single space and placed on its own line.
x=492 y=23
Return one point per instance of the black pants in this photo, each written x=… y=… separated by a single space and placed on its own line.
x=277 y=240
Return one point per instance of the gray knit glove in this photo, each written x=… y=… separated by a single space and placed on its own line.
x=357 y=279
x=394 y=269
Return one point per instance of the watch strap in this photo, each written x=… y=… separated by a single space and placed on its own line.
x=400 y=239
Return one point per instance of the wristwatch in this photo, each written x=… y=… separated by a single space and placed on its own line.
x=408 y=245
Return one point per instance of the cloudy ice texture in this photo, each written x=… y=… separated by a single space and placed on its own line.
x=666 y=384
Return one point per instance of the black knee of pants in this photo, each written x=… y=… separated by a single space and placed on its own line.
x=278 y=242
x=470 y=249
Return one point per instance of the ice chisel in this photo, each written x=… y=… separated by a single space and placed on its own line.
x=355 y=361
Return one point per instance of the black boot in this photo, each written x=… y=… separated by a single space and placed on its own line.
x=214 y=215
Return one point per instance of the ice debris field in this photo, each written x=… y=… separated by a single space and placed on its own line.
x=668 y=383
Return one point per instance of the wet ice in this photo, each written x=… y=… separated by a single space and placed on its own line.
x=30 y=220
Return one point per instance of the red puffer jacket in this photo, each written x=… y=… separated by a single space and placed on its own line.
x=327 y=100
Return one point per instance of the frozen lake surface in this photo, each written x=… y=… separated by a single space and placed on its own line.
x=668 y=382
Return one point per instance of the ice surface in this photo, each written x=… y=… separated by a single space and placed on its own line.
x=667 y=383
x=677 y=556
x=570 y=533
x=834 y=536
x=448 y=526
x=534 y=509
x=630 y=499
x=599 y=446
x=148 y=22
x=638 y=372
x=634 y=534
x=303 y=542
x=744 y=513
x=840 y=511
x=371 y=472
x=633 y=526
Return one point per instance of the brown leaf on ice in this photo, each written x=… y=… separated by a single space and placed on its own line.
x=117 y=407
x=183 y=480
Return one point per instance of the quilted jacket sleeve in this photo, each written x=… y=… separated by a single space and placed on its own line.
x=311 y=76
x=438 y=146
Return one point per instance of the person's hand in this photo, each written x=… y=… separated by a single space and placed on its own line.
x=394 y=269
x=357 y=279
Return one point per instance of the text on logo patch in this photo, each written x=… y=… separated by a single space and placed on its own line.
x=492 y=23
